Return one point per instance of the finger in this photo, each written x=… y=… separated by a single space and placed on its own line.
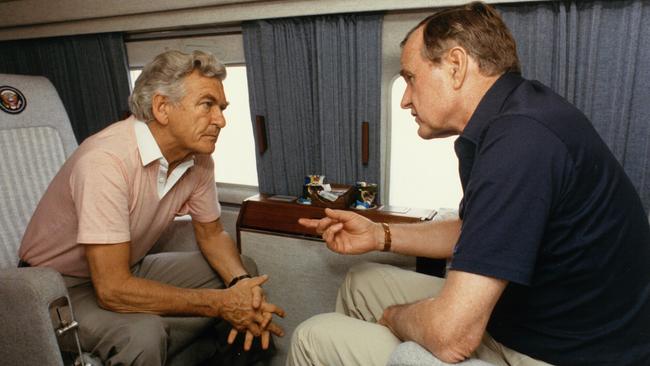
x=333 y=246
x=232 y=335
x=248 y=341
x=331 y=232
x=385 y=323
x=324 y=224
x=266 y=319
x=260 y=318
x=382 y=321
x=309 y=223
x=254 y=328
x=272 y=308
x=340 y=215
x=275 y=329
x=258 y=297
x=266 y=337
x=337 y=246
x=327 y=236
x=258 y=280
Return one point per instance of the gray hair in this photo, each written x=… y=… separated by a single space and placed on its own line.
x=479 y=29
x=165 y=75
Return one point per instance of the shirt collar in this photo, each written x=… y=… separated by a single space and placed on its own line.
x=149 y=150
x=490 y=105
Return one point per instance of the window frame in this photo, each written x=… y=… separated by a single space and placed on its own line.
x=230 y=193
x=450 y=194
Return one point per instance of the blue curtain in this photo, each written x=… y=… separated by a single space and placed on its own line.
x=597 y=55
x=90 y=73
x=315 y=80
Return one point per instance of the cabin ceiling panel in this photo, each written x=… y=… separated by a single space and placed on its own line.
x=30 y=12
x=227 y=48
x=46 y=18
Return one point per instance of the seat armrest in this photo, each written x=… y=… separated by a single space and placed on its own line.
x=412 y=354
x=27 y=331
x=42 y=284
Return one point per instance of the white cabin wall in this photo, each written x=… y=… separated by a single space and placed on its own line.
x=20 y=19
x=394 y=28
x=228 y=48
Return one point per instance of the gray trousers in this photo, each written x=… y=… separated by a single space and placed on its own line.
x=144 y=339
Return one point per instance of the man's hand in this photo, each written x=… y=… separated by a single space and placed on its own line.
x=346 y=232
x=391 y=320
x=246 y=310
x=452 y=324
x=265 y=337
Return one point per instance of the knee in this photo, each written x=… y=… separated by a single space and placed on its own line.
x=141 y=342
x=359 y=280
x=314 y=331
x=151 y=333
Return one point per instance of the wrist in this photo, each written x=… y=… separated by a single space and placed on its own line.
x=387 y=237
x=383 y=237
x=378 y=232
x=212 y=300
x=236 y=279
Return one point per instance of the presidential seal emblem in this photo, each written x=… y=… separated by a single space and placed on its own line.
x=12 y=100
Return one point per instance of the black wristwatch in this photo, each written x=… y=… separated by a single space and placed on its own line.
x=234 y=281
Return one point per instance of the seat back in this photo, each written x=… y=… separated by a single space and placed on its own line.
x=35 y=139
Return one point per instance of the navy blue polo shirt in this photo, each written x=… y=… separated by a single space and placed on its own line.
x=548 y=208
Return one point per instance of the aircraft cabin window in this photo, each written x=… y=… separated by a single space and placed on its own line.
x=234 y=156
x=423 y=173
x=133 y=75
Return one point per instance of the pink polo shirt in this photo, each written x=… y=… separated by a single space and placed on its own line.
x=106 y=193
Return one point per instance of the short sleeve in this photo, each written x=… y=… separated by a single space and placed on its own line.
x=203 y=204
x=508 y=199
x=99 y=188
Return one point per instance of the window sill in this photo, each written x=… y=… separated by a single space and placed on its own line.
x=235 y=194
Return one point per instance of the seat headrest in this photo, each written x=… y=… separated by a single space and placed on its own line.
x=32 y=101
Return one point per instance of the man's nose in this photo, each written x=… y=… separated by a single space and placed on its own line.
x=406 y=99
x=219 y=119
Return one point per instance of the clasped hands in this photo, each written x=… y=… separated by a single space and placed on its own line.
x=248 y=311
x=344 y=232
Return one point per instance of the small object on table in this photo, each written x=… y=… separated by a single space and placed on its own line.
x=304 y=201
x=328 y=195
x=366 y=196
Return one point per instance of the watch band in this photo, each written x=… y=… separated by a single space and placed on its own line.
x=234 y=281
x=387 y=237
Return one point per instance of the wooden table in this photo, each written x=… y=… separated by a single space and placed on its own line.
x=278 y=216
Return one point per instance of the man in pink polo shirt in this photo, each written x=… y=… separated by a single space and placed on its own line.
x=111 y=201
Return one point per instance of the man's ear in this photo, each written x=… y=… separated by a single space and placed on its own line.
x=458 y=60
x=159 y=107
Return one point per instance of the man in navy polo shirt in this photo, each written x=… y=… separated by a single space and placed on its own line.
x=549 y=256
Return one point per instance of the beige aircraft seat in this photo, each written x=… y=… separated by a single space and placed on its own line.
x=35 y=139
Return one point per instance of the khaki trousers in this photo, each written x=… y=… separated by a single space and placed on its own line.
x=351 y=336
x=143 y=339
